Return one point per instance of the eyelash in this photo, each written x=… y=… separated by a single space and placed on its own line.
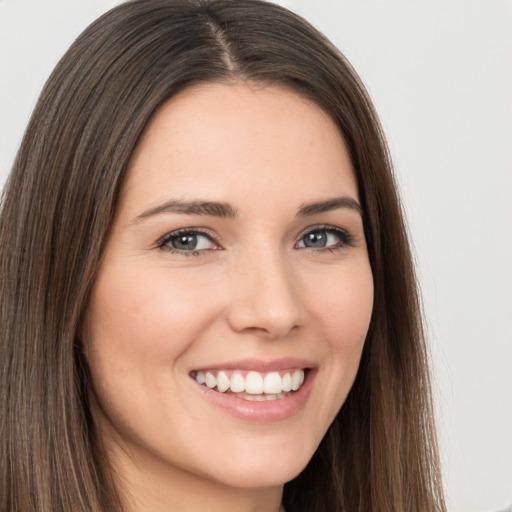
x=164 y=242
x=346 y=240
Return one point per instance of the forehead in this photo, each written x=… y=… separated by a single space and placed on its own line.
x=238 y=142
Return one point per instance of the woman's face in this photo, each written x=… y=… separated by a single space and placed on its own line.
x=236 y=267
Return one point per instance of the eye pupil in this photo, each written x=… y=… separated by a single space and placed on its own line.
x=315 y=239
x=185 y=242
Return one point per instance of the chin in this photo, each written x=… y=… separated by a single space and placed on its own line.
x=264 y=468
x=248 y=477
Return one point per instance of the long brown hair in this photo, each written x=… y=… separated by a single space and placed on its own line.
x=380 y=453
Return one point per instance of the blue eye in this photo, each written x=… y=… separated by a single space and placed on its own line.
x=185 y=240
x=325 y=238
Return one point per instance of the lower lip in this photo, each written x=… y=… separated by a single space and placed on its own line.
x=260 y=412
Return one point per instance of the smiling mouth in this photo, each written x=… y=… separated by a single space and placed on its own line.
x=252 y=385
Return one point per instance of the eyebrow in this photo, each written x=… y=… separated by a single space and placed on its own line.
x=213 y=208
x=225 y=210
x=329 y=205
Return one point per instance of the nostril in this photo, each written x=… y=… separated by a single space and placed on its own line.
x=269 y=323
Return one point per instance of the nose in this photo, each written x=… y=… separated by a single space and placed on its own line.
x=265 y=298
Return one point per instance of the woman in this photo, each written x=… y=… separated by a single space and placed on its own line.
x=208 y=300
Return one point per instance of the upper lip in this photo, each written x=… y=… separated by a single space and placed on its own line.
x=260 y=365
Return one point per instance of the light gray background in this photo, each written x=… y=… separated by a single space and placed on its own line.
x=440 y=73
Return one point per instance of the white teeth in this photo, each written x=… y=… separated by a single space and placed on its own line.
x=254 y=383
x=255 y=398
x=210 y=380
x=270 y=386
x=222 y=382
x=261 y=398
x=287 y=382
x=272 y=383
x=296 y=379
x=237 y=383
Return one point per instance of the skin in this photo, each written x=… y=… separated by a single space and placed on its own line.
x=251 y=290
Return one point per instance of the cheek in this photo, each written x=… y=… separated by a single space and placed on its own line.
x=344 y=305
x=137 y=330
x=342 y=313
x=146 y=316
